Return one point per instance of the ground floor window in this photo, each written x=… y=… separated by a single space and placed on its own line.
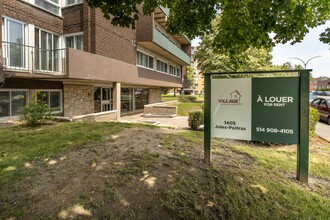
x=133 y=99
x=12 y=102
x=53 y=98
x=141 y=98
x=126 y=97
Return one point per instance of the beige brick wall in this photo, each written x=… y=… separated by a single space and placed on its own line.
x=78 y=100
x=154 y=95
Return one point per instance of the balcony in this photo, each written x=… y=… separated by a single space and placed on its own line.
x=26 y=59
x=165 y=43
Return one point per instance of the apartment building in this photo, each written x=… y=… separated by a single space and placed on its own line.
x=80 y=64
x=198 y=85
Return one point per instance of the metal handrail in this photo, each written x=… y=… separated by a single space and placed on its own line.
x=25 y=58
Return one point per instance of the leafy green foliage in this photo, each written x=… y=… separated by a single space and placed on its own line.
x=190 y=75
x=210 y=59
x=195 y=119
x=314 y=117
x=164 y=90
x=244 y=24
x=287 y=66
x=36 y=112
x=325 y=36
x=187 y=98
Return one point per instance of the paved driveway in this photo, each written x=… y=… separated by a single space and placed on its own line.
x=323 y=130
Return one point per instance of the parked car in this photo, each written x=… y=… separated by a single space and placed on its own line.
x=311 y=97
x=321 y=93
x=322 y=104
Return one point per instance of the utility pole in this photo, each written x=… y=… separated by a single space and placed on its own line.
x=305 y=63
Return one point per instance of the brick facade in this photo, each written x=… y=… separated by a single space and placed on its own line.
x=144 y=30
x=100 y=38
x=73 y=18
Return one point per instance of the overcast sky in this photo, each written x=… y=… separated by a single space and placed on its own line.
x=309 y=47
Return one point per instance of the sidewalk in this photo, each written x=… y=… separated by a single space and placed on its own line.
x=323 y=130
x=179 y=122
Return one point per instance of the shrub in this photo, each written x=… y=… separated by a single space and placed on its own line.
x=195 y=119
x=35 y=113
x=187 y=98
x=314 y=117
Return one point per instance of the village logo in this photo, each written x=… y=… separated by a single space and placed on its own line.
x=233 y=99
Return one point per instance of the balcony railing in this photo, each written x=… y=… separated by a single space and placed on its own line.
x=23 y=58
x=164 y=42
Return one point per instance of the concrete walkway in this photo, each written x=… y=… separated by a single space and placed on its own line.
x=323 y=130
x=180 y=122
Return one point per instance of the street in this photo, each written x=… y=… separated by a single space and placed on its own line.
x=323 y=130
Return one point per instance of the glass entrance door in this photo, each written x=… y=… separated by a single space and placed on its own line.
x=102 y=99
x=105 y=99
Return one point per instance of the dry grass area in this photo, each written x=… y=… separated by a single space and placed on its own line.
x=143 y=172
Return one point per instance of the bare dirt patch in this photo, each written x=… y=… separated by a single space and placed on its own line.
x=124 y=177
x=145 y=173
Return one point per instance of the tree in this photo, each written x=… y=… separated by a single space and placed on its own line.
x=287 y=66
x=211 y=60
x=245 y=23
x=190 y=75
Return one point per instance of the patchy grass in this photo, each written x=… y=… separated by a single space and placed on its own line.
x=124 y=171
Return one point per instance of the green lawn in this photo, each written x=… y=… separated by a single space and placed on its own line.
x=171 y=97
x=125 y=171
x=185 y=107
x=167 y=97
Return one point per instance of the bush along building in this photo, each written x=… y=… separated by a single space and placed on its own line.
x=80 y=64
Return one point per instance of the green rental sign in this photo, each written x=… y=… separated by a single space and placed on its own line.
x=269 y=109
x=275 y=109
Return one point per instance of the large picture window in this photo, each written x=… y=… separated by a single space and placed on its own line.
x=53 y=98
x=141 y=98
x=145 y=60
x=12 y=103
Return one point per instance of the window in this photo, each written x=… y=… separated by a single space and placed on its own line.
x=49 y=5
x=172 y=70
x=12 y=103
x=72 y=2
x=53 y=98
x=14 y=50
x=75 y=41
x=145 y=60
x=178 y=73
x=46 y=51
x=141 y=98
x=161 y=66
